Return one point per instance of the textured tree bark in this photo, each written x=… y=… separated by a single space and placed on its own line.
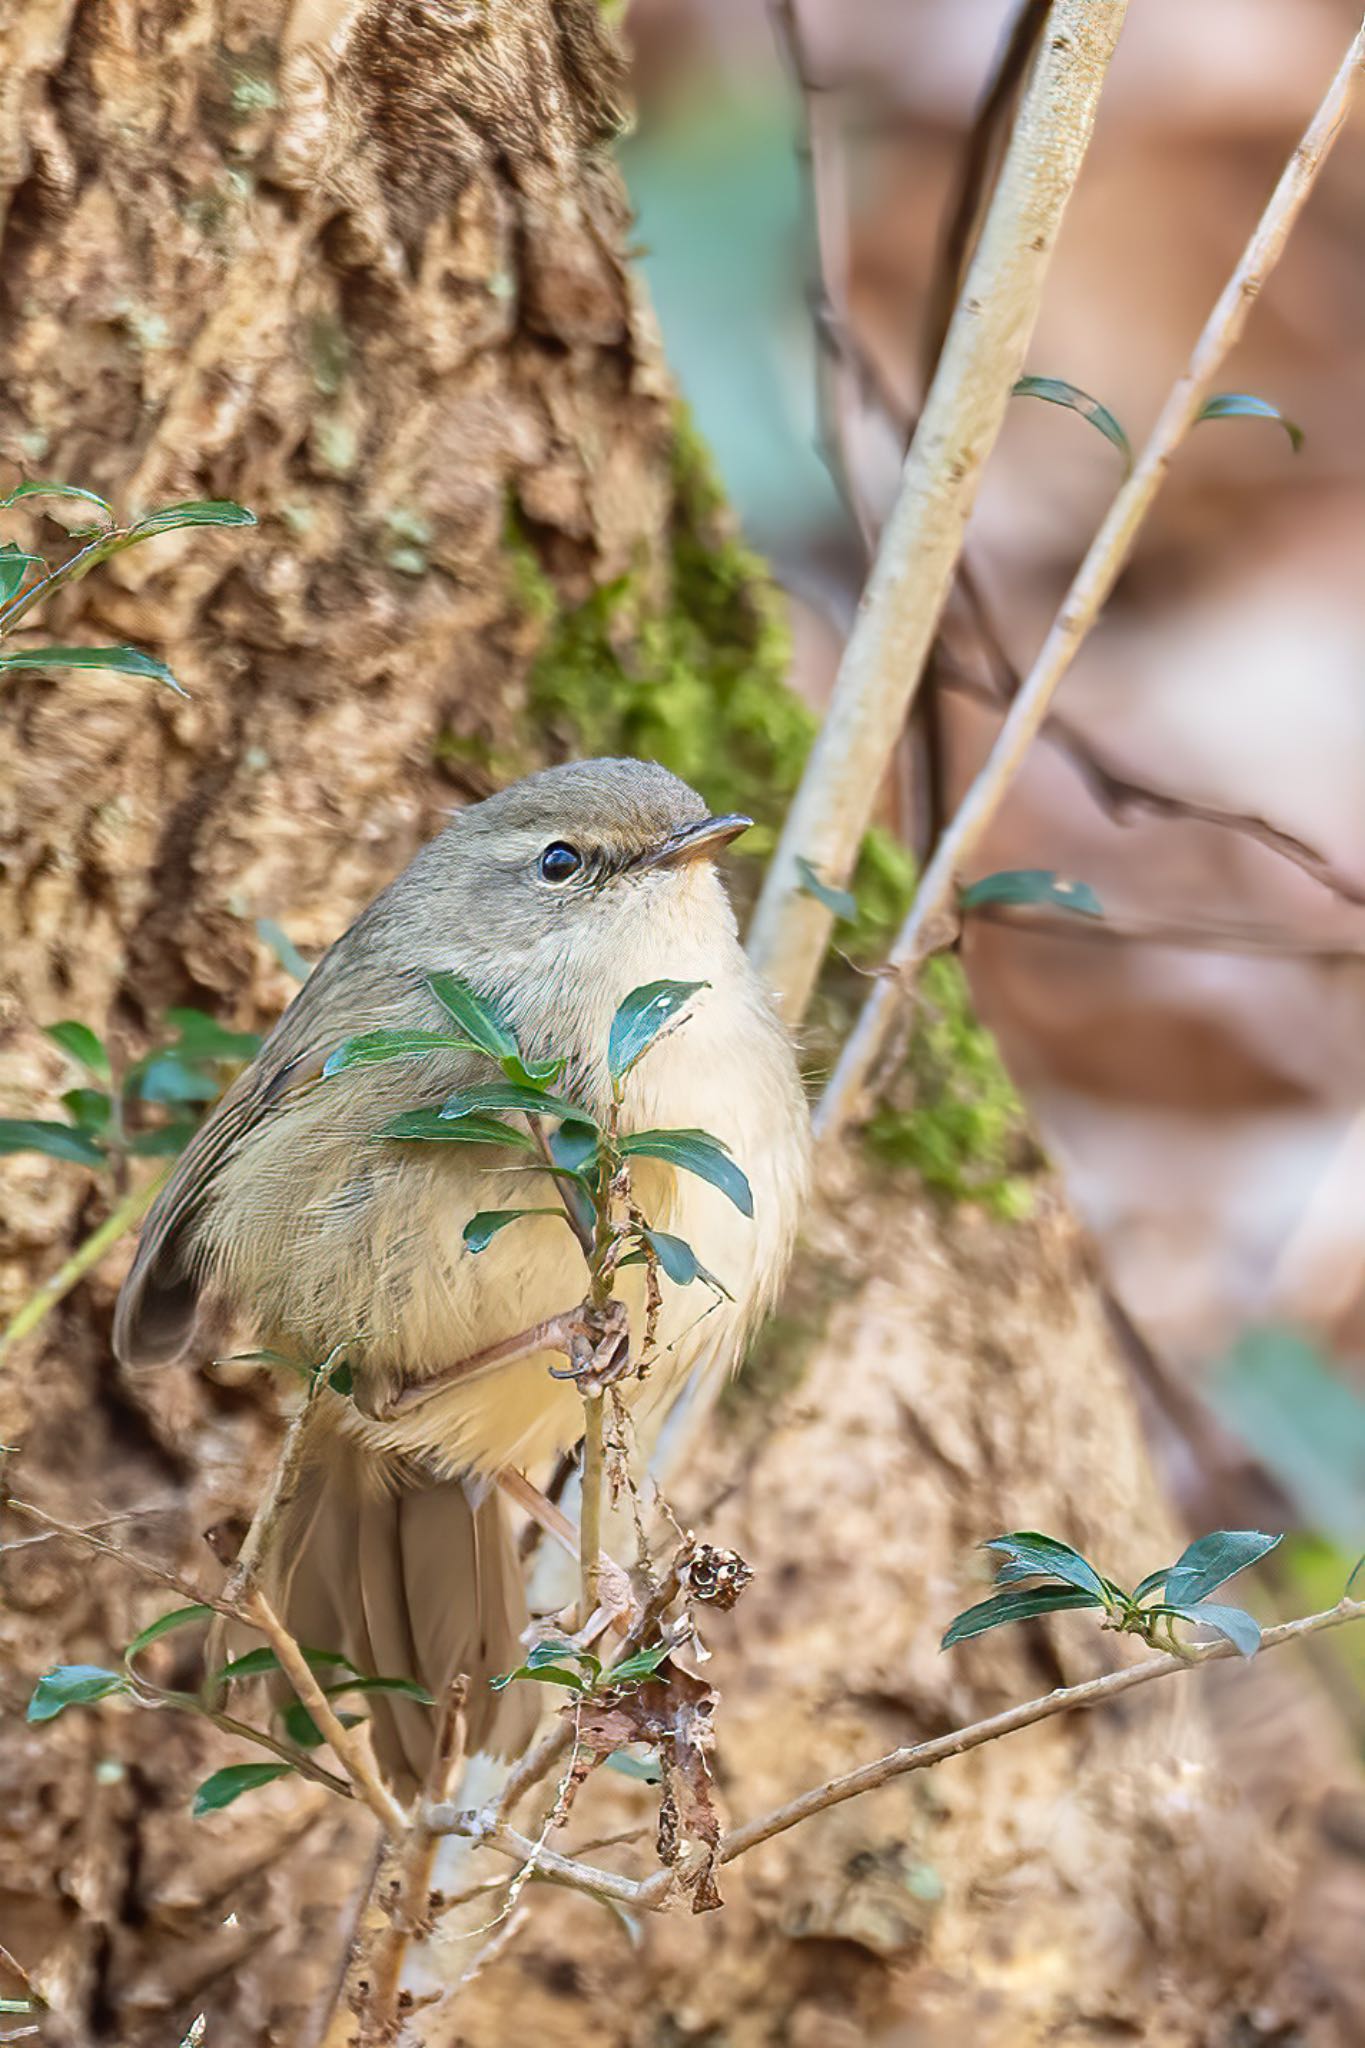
x=362 y=267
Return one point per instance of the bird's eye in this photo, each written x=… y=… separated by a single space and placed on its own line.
x=559 y=861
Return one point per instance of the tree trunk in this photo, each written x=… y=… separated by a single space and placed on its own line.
x=363 y=268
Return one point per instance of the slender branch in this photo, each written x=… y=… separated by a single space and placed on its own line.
x=657 y=1891
x=590 y=1505
x=898 y=618
x=1275 y=941
x=129 y=1212
x=410 y=1913
x=932 y=909
x=348 y=1747
x=144 y=1567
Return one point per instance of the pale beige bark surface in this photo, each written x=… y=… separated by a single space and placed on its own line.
x=379 y=293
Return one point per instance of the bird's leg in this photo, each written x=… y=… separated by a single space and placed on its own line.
x=599 y=1346
x=556 y=1333
x=613 y=1584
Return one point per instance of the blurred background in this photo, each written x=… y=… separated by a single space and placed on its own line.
x=1196 y=1063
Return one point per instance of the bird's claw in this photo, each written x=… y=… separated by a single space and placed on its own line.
x=599 y=1348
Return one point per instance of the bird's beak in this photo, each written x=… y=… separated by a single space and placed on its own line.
x=696 y=842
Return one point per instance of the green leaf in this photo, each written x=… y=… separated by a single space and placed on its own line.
x=256 y=1663
x=1032 y=886
x=640 y=1019
x=79 y=1043
x=1057 y=392
x=179 y=1617
x=429 y=1126
x=480 y=1230
x=1045 y=1557
x=304 y=1731
x=167 y=1076
x=284 y=949
x=1016 y=1606
x=1241 y=1629
x=574 y=1146
x=842 y=902
x=128 y=661
x=224 y=1786
x=167 y=1141
x=44 y=487
x=678 y=1260
x=58 y=1141
x=88 y=1108
x=644 y=1768
x=511 y=1095
x=1305 y=1423
x=642 y=1665
x=201 y=1037
x=1150 y=1584
x=477 y=1018
x=552 y=1650
x=72 y=1685
x=409 y=1688
x=694 y=1152
x=1207 y=1563
x=14 y=566
x=1228 y=405
x=547 y=1674
x=372 y=1048
x=193 y=512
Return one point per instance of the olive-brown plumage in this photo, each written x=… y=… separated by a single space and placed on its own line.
x=554 y=899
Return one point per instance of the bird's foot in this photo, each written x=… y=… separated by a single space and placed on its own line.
x=598 y=1348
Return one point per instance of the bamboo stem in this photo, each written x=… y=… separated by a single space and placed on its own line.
x=981 y=361
x=932 y=912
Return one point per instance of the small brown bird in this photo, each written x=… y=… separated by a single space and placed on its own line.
x=552 y=900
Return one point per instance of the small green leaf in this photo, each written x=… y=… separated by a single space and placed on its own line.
x=694 y=1152
x=842 y=902
x=201 y=1037
x=553 y=1650
x=230 y=1783
x=72 y=1685
x=1228 y=405
x=167 y=1141
x=1031 y=886
x=428 y=1126
x=642 y=1665
x=678 y=1260
x=1020 y=1606
x=644 y=1768
x=1057 y=392
x=409 y=1688
x=179 y=1617
x=511 y=1095
x=79 y=1043
x=1208 y=1562
x=373 y=1048
x=88 y=1108
x=480 y=1230
x=476 y=1017
x=44 y=487
x=167 y=1076
x=58 y=1141
x=640 y=1019
x=548 y=1674
x=128 y=661
x=14 y=566
x=1046 y=1557
x=1241 y=1629
x=574 y=1146
x=1150 y=1584
x=303 y=1730
x=256 y=1663
x=193 y=512
x=284 y=949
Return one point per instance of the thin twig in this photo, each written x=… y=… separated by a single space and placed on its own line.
x=590 y=1506
x=657 y=1891
x=932 y=914
x=348 y=1747
x=898 y=618
x=1275 y=941
x=129 y=1212
x=144 y=1567
x=409 y=1914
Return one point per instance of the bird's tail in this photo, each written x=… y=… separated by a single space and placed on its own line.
x=409 y=1576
